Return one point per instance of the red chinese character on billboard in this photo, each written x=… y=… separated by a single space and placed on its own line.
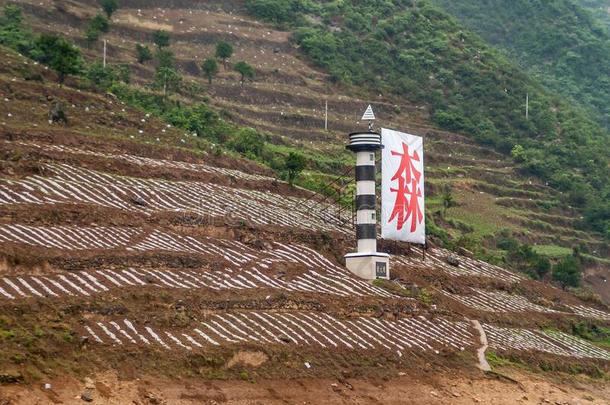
x=406 y=205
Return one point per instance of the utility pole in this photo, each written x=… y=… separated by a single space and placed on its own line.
x=527 y=106
x=104 y=54
x=326 y=116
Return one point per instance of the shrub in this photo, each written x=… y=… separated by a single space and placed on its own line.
x=248 y=142
x=277 y=11
x=245 y=70
x=224 y=51
x=100 y=76
x=167 y=79
x=105 y=78
x=59 y=54
x=143 y=53
x=165 y=59
x=161 y=39
x=12 y=32
x=567 y=272
x=96 y=26
x=518 y=154
x=109 y=6
x=209 y=67
x=295 y=163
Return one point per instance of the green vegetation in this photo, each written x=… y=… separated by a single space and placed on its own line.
x=568 y=272
x=245 y=70
x=558 y=42
x=58 y=54
x=96 y=26
x=109 y=7
x=165 y=58
x=522 y=257
x=552 y=251
x=143 y=53
x=415 y=50
x=496 y=360
x=161 y=39
x=592 y=332
x=167 y=79
x=248 y=142
x=12 y=32
x=209 y=67
x=279 y=11
x=447 y=198
x=600 y=10
x=105 y=77
x=224 y=51
x=295 y=163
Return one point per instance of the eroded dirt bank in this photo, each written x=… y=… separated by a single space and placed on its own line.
x=427 y=388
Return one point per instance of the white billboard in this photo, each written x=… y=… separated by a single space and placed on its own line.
x=402 y=187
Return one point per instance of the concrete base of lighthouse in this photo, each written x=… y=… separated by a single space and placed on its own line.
x=369 y=266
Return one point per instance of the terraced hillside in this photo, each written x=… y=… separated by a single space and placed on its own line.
x=287 y=99
x=131 y=257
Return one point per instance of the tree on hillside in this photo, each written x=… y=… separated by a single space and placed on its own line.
x=165 y=58
x=59 y=54
x=209 y=67
x=245 y=70
x=295 y=163
x=143 y=53
x=567 y=272
x=12 y=32
x=224 y=51
x=248 y=142
x=448 y=199
x=109 y=7
x=96 y=26
x=161 y=39
x=167 y=79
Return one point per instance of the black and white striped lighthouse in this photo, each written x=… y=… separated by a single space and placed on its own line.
x=366 y=262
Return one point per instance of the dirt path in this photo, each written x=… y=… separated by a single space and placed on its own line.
x=426 y=389
x=483 y=364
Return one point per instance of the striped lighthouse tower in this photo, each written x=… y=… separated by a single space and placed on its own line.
x=366 y=262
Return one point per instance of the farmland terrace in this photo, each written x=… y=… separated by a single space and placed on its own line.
x=287 y=99
x=127 y=251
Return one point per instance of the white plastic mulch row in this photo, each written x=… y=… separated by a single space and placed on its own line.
x=68 y=237
x=245 y=267
x=70 y=184
x=436 y=259
x=299 y=328
x=553 y=342
x=588 y=312
x=497 y=301
x=146 y=161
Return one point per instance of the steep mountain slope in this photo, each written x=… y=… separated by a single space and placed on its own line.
x=599 y=8
x=558 y=42
x=287 y=99
x=142 y=263
x=126 y=261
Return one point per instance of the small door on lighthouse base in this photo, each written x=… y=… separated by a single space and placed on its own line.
x=368 y=266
